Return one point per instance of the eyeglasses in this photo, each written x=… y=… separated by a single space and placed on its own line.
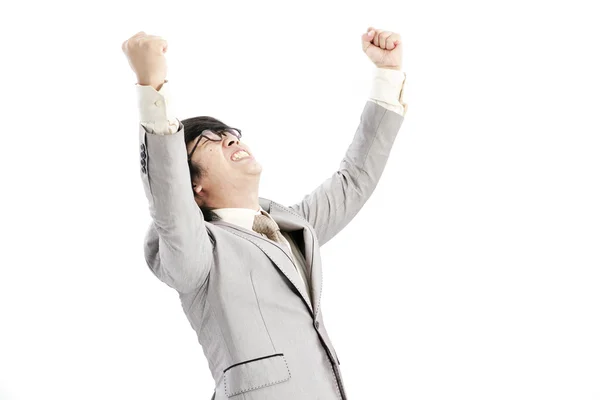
x=215 y=136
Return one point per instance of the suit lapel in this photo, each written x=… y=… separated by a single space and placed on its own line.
x=288 y=221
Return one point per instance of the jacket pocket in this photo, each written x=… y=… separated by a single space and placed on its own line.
x=255 y=374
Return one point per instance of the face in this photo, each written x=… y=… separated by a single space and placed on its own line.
x=224 y=174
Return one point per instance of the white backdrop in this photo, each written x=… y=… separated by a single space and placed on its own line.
x=473 y=272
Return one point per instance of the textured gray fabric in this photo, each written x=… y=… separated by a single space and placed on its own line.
x=261 y=330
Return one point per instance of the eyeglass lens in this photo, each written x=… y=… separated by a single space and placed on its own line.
x=217 y=136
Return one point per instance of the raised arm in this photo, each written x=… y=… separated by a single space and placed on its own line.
x=177 y=245
x=334 y=203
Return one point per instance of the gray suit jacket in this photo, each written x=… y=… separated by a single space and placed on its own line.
x=261 y=332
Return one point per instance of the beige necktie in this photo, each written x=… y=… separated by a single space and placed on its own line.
x=264 y=224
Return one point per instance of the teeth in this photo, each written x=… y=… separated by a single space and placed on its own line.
x=239 y=155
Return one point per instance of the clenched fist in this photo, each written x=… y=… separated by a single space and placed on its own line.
x=384 y=48
x=145 y=54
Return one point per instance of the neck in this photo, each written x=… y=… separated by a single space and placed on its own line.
x=236 y=199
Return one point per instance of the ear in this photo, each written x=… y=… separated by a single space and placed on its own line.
x=197 y=188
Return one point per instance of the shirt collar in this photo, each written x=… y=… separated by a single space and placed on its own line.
x=243 y=217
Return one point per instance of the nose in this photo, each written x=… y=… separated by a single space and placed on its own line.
x=230 y=139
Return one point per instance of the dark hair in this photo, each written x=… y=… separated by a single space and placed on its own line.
x=192 y=128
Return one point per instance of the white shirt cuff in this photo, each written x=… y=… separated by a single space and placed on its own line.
x=388 y=86
x=155 y=112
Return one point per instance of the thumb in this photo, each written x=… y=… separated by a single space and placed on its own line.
x=367 y=38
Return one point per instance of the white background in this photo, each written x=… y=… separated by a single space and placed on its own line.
x=473 y=272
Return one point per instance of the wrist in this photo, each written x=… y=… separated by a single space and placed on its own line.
x=396 y=68
x=156 y=84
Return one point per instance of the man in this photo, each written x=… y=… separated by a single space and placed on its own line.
x=248 y=269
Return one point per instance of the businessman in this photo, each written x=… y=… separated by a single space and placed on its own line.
x=248 y=269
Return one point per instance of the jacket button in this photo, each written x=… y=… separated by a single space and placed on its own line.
x=142 y=147
x=143 y=154
x=143 y=162
x=317 y=324
x=143 y=169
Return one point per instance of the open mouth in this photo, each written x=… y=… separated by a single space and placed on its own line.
x=240 y=155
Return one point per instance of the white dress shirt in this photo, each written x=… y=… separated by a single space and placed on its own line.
x=157 y=117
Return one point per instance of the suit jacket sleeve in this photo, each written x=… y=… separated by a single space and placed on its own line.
x=334 y=203
x=177 y=246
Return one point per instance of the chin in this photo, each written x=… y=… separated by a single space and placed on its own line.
x=255 y=165
x=257 y=168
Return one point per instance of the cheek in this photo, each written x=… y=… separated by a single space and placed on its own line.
x=216 y=163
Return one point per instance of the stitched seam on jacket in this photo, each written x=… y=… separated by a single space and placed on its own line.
x=335 y=379
x=291 y=212
x=316 y=307
x=260 y=311
x=252 y=360
x=322 y=283
x=222 y=336
x=316 y=312
x=260 y=386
